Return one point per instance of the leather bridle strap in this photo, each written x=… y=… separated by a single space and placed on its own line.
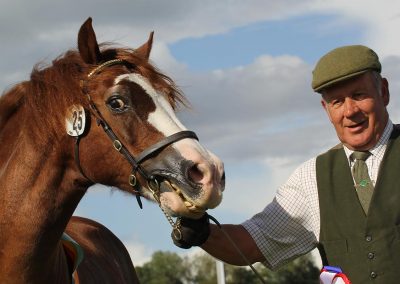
x=164 y=143
x=123 y=150
x=77 y=159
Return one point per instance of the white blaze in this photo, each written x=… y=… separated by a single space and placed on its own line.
x=163 y=118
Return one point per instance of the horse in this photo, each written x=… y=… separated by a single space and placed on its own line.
x=103 y=114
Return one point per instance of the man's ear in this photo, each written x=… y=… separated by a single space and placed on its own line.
x=325 y=106
x=385 y=91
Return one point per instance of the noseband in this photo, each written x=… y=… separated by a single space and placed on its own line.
x=152 y=182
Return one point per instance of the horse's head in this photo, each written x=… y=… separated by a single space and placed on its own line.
x=132 y=138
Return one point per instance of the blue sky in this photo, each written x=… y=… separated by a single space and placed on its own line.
x=305 y=36
x=246 y=70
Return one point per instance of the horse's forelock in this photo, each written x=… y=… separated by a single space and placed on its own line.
x=159 y=80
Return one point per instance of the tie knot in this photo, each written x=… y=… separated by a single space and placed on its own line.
x=360 y=155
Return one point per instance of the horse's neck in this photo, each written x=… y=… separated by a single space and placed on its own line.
x=38 y=195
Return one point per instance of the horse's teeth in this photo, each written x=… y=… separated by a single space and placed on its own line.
x=187 y=203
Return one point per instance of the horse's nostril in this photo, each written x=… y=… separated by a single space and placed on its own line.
x=195 y=173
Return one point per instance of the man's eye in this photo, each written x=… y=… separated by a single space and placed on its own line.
x=359 y=96
x=116 y=104
x=336 y=103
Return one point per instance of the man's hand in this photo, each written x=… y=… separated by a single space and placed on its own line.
x=191 y=232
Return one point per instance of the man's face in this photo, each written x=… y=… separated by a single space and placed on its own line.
x=357 y=110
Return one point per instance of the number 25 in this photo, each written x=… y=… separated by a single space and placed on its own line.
x=77 y=124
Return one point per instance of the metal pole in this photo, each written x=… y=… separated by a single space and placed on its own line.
x=220 y=272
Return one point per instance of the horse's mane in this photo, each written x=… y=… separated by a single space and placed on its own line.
x=53 y=88
x=11 y=101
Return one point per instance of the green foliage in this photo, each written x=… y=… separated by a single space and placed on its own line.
x=240 y=275
x=203 y=269
x=164 y=268
x=300 y=271
x=170 y=268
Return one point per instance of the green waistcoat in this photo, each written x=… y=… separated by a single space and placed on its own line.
x=367 y=248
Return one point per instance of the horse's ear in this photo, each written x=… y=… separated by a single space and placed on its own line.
x=87 y=43
x=145 y=49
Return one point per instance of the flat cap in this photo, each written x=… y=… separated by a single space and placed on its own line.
x=344 y=63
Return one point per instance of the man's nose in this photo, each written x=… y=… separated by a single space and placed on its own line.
x=350 y=107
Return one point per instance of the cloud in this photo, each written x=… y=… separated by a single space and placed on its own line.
x=142 y=254
x=175 y=19
x=254 y=105
x=381 y=21
x=139 y=252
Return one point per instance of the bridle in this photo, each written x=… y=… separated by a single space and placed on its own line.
x=152 y=181
x=135 y=162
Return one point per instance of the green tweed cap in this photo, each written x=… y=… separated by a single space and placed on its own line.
x=344 y=63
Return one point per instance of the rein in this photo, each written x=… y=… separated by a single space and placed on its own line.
x=135 y=162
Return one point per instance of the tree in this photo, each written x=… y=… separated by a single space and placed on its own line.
x=240 y=275
x=170 y=268
x=164 y=268
x=300 y=271
x=202 y=269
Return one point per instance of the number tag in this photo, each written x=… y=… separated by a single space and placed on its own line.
x=75 y=120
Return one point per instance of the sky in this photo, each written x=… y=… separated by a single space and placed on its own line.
x=245 y=67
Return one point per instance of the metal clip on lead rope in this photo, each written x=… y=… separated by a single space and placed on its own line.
x=176 y=229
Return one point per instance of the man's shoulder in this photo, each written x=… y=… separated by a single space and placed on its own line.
x=333 y=150
x=306 y=167
x=336 y=147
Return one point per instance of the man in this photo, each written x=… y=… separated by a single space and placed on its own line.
x=346 y=205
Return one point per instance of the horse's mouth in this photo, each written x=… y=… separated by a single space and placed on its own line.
x=188 y=203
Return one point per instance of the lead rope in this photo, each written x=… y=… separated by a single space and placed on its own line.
x=154 y=187
x=246 y=260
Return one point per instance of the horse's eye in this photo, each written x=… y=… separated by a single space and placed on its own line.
x=116 y=104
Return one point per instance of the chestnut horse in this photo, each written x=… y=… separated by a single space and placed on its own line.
x=98 y=114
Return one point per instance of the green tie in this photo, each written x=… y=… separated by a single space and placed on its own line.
x=364 y=186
